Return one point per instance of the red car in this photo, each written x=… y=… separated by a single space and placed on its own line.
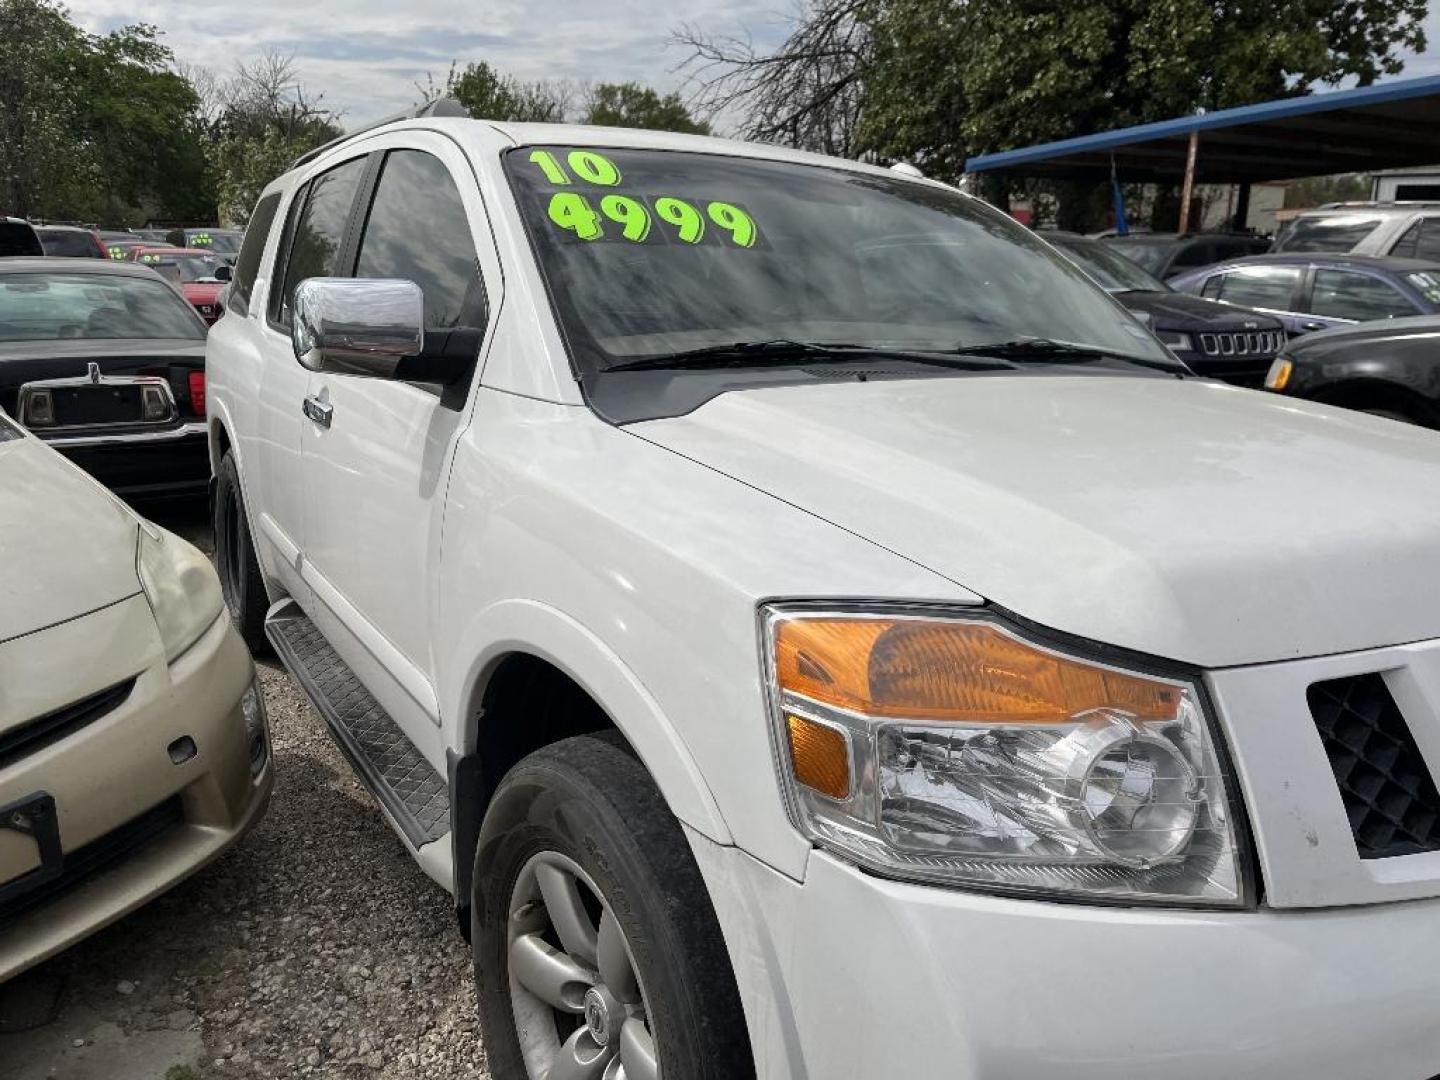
x=193 y=270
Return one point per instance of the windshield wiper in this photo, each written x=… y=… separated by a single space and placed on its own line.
x=784 y=352
x=1045 y=351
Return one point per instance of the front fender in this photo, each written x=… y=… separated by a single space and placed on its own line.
x=528 y=626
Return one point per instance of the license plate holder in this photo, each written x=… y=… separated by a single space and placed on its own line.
x=33 y=816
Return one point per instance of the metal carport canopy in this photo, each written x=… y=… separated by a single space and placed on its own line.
x=1386 y=126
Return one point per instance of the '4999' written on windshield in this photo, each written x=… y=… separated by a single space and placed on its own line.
x=634 y=217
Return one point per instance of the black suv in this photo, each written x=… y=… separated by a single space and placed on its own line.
x=1220 y=340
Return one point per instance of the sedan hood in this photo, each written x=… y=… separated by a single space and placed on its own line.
x=1177 y=311
x=67 y=546
x=1183 y=518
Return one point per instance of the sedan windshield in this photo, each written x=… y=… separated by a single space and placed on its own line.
x=48 y=307
x=1113 y=271
x=655 y=253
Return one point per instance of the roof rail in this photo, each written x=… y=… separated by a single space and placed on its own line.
x=444 y=106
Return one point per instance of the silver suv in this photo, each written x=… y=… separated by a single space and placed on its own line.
x=1407 y=229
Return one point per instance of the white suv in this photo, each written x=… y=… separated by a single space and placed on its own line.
x=815 y=632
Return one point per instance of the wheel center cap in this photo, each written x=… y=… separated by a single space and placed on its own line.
x=597 y=1016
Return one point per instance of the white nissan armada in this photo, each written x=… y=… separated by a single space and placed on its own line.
x=814 y=632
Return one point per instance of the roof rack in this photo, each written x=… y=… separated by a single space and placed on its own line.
x=444 y=106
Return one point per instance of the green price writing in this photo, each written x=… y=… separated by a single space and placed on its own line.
x=589 y=166
x=574 y=213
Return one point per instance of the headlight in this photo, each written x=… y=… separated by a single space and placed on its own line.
x=180 y=584
x=1177 y=341
x=953 y=750
x=1278 y=377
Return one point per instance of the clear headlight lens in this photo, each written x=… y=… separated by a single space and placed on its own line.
x=1175 y=340
x=954 y=750
x=180 y=584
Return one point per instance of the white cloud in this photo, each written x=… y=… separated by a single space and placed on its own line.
x=367 y=55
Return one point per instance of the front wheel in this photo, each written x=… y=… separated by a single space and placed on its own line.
x=240 y=582
x=597 y=951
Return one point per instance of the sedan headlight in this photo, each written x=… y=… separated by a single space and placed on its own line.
x=180 y=585
x=952 y=749
x=1176 y=340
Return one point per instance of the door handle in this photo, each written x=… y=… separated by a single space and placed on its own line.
x=1312 y=325
x=319 y=411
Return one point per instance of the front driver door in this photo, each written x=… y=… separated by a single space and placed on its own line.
x=375 y=475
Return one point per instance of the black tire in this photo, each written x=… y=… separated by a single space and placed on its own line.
x=239 y=569
x=589 y=800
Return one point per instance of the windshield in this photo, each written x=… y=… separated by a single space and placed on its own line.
x=649 y=253
x=1426 y=283
x=47 y=307
x=1333 y=232
x=190 y=267
x=1112 y=270
x=218 y=241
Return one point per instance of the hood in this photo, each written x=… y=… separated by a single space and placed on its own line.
x=1184 y=518
x=1347 y=335
x=67 y=546
x=1179 y=311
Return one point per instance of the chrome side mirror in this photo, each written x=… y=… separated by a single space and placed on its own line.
x=357 y=326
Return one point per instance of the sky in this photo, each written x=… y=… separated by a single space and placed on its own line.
x=366 y=56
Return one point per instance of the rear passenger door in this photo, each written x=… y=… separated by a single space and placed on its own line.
x=375 y=477
x=1339 y=297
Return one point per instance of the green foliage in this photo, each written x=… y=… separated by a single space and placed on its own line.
x=493 y=96
x=1317 y=190
x=631 y=105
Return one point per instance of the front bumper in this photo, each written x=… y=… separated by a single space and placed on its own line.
x=119 y=770
x=174 y=461
x=847 y=975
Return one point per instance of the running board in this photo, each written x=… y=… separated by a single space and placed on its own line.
x=408 y=787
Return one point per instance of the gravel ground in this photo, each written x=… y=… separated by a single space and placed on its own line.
x=314 y=947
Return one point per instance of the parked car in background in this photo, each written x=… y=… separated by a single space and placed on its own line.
x=119 y=244
x=71 y=242
x=223 y=242
x=1316 y=291
x=195 y=270
x=133 y=747
x=17 y=237
x=857 y=647
x=105 y=361
x=1213 y=339
x=1389 y=368
x=1407 y=230
x=1166 y=254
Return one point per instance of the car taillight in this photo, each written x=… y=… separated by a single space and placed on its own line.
x=197 y=392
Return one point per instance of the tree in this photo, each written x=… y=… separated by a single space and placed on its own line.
x=631 y=105
x=493 y=96
x=267 y=118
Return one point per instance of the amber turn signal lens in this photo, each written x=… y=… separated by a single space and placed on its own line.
x=1279 y=375
x=969 y=672
x=819 y=755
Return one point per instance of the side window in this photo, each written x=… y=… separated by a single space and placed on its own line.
x=1428 y=247
x=1192 y=255
x=1342 y=294
x=1404 y=248
x=316 y=235
x=247 y=263
x=417 y=230
x=1260 y=286
x=1212 y=286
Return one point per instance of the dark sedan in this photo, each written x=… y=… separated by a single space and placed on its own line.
x=1314 y=290
x=106 y=362
x=1387 y=368
x=1213 y=339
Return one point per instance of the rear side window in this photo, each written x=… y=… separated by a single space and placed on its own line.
x=247 y=264
x=18 y=238
x=1343 y=294
x=1191 y=255
x=66 y=242
x=1332 y=233
x=1258 y=286
x=418 y=231
x=317 y=235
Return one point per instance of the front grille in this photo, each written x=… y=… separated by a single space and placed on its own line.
x=1243 y=343
x=1388 y=792
x=85 y=862
x=52 y=727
